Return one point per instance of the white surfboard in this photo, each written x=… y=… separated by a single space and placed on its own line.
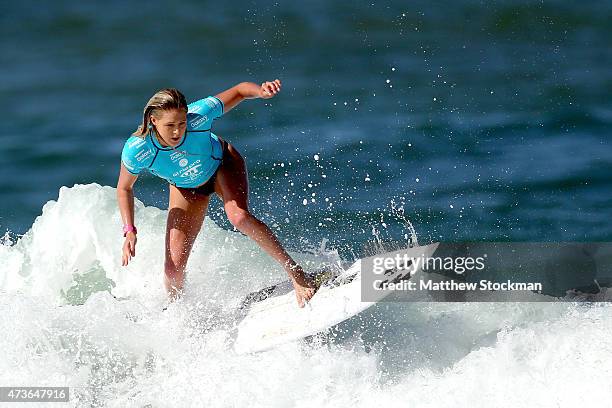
x=272 y=316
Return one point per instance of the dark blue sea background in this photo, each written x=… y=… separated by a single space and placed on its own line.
x=473 y=120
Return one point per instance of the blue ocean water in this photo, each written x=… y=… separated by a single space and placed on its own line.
x=469 y=120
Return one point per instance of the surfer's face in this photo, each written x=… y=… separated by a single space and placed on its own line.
x=170 y=126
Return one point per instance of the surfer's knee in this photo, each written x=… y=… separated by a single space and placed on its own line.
x=240 y=218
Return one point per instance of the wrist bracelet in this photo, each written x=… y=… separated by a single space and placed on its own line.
x=129 y=228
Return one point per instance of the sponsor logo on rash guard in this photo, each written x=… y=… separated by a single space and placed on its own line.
x=142 y=155
x=190 y=172
x=174 y=156
x=197 y=122
x=213 y=103
x=137 y=143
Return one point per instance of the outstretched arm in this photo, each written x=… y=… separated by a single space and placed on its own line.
x=248 y=90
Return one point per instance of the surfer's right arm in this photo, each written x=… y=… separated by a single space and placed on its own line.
x=125 y=198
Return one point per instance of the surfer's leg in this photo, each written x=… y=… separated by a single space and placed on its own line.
x=186 y=212
x=231 y=184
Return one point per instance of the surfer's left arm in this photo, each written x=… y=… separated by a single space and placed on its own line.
x=248 y=90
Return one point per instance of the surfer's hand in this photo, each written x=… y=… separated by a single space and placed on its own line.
x=269 y=89
x=304 y=289
x=129 y=248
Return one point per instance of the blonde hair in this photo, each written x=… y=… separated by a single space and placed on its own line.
x=165 y=99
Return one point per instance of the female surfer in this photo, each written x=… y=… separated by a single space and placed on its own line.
x=175 y=142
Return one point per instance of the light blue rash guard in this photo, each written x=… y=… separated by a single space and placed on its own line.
x=193 y=161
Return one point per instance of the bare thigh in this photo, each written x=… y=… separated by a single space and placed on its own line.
x=231 y=183
x=186 y=213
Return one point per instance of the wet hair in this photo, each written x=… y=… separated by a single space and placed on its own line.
x=163 y=100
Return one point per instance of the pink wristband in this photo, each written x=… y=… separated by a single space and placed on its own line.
x=129 y=228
